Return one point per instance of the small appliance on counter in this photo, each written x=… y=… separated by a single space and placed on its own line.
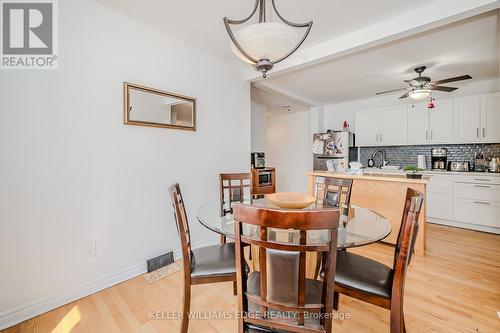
x=258 y=160
x=331 y=150
x=480 y=163
x=461 y=166
x=439 y=158
x=421 y=162
x=494 y=165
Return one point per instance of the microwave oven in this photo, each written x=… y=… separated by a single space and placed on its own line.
x=265 y=178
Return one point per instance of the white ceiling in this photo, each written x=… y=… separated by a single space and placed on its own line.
x=200 y=22
x=466 y=47
x=277 y=103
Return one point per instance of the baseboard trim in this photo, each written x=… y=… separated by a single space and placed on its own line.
x=462 y=225
x=27 y=311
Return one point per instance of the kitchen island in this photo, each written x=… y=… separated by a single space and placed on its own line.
x=384 y=194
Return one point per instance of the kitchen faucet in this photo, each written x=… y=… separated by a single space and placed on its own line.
x=384 y=157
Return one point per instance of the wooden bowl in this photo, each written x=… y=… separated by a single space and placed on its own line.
x=293 y=200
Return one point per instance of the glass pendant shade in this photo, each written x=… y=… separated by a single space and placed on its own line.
x=269 y=41
x=420 y=94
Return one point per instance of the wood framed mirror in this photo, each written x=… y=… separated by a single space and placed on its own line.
x=144 y=106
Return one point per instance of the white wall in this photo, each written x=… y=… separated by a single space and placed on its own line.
x=335 y=114
x=289 y=150
x=259 y=125
x=70 y=171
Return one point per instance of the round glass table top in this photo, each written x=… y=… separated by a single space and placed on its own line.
x=357 y=226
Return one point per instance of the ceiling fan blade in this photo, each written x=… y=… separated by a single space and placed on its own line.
x=405 y=95
x=390 y=91
x=443 y=88
x=453 y=79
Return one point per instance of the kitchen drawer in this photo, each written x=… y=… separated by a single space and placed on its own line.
x=478 y=212
x=477 y=192
x=477 y=179
x=439 y=182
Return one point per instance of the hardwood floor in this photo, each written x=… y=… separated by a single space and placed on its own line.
x=455 y=288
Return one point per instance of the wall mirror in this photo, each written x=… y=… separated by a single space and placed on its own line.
x=146 y=106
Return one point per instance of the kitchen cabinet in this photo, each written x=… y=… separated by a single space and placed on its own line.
x=470 y=119
x=430 y=126
x=418 y=124
x=466 y=119
x=393 y=126
x=367 y=127
x=440 y=197
x=382 y=127
x=477 y=204
x=441 y=122
x=490 y=118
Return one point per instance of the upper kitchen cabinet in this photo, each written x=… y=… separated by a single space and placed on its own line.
x=490 y=118
x=430 y=126
x=382 y=127
x=466 y=115
x=418 y=124
x=393 y=126
x=368 y=127
x=441 y=122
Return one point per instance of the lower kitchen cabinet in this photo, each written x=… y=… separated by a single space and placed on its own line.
x=440 y=197
x=469 y=201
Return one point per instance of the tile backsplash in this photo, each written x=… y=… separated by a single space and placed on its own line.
x=407 y=155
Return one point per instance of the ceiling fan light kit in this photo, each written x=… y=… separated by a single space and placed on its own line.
x=265 y=44
x=420 y=93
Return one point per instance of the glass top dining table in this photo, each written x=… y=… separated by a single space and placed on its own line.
x=358 y=226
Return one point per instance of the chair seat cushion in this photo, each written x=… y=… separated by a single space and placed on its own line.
x=313 y=293
x=363 y=274
x=214 y=260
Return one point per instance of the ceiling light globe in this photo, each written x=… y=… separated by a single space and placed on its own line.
x=266 y=41
x=420 y=93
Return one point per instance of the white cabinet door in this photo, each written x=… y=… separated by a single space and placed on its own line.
x=367 y=127
x=393 y=125
x=439 y=197
x=466 y=116
x=441 y=122
x=490 y=118
x=418 y=124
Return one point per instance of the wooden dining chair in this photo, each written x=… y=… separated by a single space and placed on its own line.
x=280 y=297
x=232 y=189
x=331 y=192
x=375 y=283
x=210 y=264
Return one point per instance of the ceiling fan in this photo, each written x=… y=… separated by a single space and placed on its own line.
x=422 y=86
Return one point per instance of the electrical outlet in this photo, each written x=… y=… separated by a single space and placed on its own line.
x=91 y=248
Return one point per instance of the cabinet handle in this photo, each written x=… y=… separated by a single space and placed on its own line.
x=484 y=133
x=482 y=202
x=426 y=135
x=431 y=135
x=483 y=179
x=477 y=132
x=380 y=137
x=483 y=186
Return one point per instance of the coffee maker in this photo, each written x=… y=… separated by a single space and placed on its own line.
x=439 y=158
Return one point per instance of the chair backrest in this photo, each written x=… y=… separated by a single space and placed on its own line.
x=282 y=283
x=181 y=221
x=407 y=237
x=232 y=189
x=332 y=191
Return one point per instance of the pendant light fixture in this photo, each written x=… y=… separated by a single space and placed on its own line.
x=264 y=44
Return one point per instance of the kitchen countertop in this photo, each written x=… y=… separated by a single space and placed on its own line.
x=431 y=172
x=384 y=176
